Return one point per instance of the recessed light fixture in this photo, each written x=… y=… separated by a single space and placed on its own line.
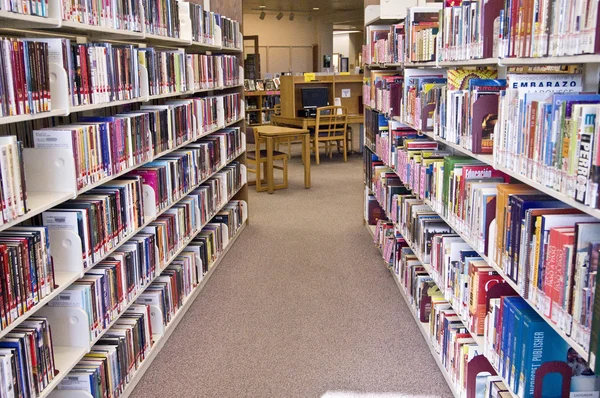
x=262 y=6
x=316 y=8
x=263 y=15
x=292 y=16
x=279 y=16
x=352 y=27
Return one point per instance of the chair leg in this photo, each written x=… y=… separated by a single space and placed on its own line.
x=345 y=146
x=258 y=175
x=289 y=148
x=316 y=151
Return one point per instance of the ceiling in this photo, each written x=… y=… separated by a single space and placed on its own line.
x=345 y=13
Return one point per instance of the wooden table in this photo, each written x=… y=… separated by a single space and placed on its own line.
x=270 y=133
x=306 y=122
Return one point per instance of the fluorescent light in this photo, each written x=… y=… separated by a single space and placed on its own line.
x=316 y=8
x=291 y=16
x=263 y=15
x=279 y=16
x=262 y=6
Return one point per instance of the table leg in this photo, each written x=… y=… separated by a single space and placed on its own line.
x=258 y=166
x=306 y=157
x=270 y=164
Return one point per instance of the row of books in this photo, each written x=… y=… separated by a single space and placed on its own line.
x=105 y=146
x=556 y=134
x=471 y=195
x=384 y=44
x=154 y=17
x=101 y=72
x=463 y=30
x=463 y=277
x=37 y=8
x=533 y=123
x=459 y=353
x=26 y=270
x=25 y=77
x=214 y=71
x=554 y=274
x=108 y=215
x=27 y=364
x=113 y=360
x=161 y=17
x=127 y=272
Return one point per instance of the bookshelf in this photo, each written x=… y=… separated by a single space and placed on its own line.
x=201 y=122
x=260 y=106
x=417 y=219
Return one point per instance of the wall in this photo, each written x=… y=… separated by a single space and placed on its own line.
x=349 y=45
x=285 y=33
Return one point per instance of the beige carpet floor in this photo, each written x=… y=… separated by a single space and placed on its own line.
x=302 y=306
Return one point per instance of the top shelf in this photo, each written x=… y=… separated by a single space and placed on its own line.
x=573 y=59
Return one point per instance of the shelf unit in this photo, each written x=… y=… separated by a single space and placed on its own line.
x=260 y=115
x=51 y=186
x=591 y=67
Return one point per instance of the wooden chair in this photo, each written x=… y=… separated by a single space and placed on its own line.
x=331 y=127
x=256 y=167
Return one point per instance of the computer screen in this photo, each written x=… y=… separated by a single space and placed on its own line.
x=315 y=97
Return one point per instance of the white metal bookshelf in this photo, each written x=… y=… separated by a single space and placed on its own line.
x=51 y=180
x=591 y=67
x=74 y=321
x=66 y=249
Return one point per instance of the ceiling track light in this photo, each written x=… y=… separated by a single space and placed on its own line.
x=279 y=16
x=263 y=15
x=292 y=16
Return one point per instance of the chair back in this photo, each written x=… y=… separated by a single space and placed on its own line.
x=332 y=120
x=277 y=110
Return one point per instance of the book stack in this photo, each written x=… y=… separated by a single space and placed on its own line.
x=161 y=17
x=513 y=332
x=553 y=32
x=117 y=14
x=101 y=72
x=468 y=31
x=166 y=70
x=420 y=100
x=422 y=26
x=101 y=147
x=214 y=71
x=230 y=32
x=26 y=269
x=27 y=359
x=196 y=12
x=25 y=77
x=37 y=8
x=103 y=217
x=107 y=368
x=557 y=146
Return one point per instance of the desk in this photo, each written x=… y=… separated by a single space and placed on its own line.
x=306 y=122
x=269 y=133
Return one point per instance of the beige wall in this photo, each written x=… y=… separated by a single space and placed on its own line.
x=349 y=45
x=285 y=33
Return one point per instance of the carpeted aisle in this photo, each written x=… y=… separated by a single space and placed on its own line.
x=300 y=307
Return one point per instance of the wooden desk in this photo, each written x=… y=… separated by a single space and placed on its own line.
x=269 y=133
x=306 y=122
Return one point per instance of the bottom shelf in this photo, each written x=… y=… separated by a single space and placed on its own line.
x=160 y=340
x=420 y=325
x=423 y=330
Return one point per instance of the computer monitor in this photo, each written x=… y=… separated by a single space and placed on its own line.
x=315 y=97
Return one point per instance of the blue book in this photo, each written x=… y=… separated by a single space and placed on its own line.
x=508 y=317
x=520 y=308
x=540 y=344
